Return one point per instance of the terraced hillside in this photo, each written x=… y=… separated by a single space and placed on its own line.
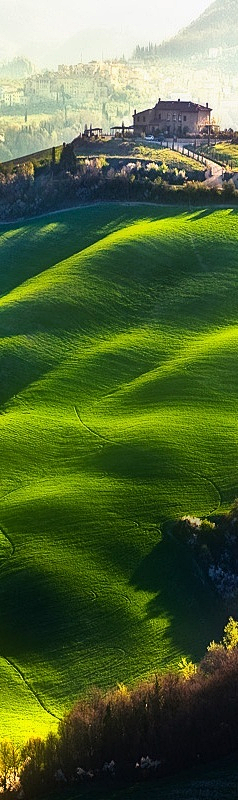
x=119 y=335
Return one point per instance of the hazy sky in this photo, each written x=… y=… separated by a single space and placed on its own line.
x=24 y=22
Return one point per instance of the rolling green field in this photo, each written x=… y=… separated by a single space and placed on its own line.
x=118 y=400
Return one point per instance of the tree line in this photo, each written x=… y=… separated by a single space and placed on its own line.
x=172 y=722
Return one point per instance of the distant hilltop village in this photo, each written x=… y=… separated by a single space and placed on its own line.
x=107 y=93
x=172 y=117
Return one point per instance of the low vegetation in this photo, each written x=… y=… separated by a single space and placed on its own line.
x=214 y=543
x=139 y=149
x=81 y=173
x=40 y=185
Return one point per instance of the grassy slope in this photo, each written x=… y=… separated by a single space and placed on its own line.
x=114 y=150
x=118 y=340
x=228 y=152
x=224 y=152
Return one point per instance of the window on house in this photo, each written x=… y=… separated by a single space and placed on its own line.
x=180 y=117
x=144 y=119
x=174 y=117
x=185 y=118
x=159 y=116
x=168 y=116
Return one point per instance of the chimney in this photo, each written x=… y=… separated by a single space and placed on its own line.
x=206 y=105
x=134 y=112
x=159 y=99
x=178 y=99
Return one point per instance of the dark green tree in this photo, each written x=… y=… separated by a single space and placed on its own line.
x=68 y=161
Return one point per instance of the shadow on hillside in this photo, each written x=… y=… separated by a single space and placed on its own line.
x=170 y=573
x=45 y=315
x=133 y=462
x=31 y=611
x=41 y=613
x=197 y=215
x=40 y=247
x=16 y=374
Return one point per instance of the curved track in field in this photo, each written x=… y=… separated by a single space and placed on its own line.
x=100 y=436
x=5 y=658
x=214 y=486
x=199 y=259
x=30 y=689
x=90 y=430
x=9 y=540
x=197 y=475
x=93 y=598
x=4 y=533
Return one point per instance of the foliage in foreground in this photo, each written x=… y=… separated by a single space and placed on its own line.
x=30 y=190
x=177 y=718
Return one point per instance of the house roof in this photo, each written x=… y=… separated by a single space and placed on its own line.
x=182 y=104
x=177 y=105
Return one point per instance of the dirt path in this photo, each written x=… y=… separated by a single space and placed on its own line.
x=214 y=174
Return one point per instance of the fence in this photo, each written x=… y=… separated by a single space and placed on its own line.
x=186 y=152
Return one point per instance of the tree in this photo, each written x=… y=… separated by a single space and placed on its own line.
x=68 y=160
x=215 y=658
x=188 y=668
x=5 y=761
x=230 y=638
x=217 y=654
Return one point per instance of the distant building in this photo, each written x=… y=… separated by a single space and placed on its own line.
x=11 y=97
x=173 y=118
x=39 y=86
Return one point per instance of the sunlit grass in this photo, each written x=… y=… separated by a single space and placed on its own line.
x=118 y=350
x=224 y=152
x=228 y=152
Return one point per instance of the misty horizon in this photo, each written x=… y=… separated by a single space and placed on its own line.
x=45 y=33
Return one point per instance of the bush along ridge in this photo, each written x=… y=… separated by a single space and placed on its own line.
x=27 y=189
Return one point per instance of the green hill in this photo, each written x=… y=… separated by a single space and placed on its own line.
x=216 y=28
x=118 y=395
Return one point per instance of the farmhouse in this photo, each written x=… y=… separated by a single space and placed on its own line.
x=172 y=117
